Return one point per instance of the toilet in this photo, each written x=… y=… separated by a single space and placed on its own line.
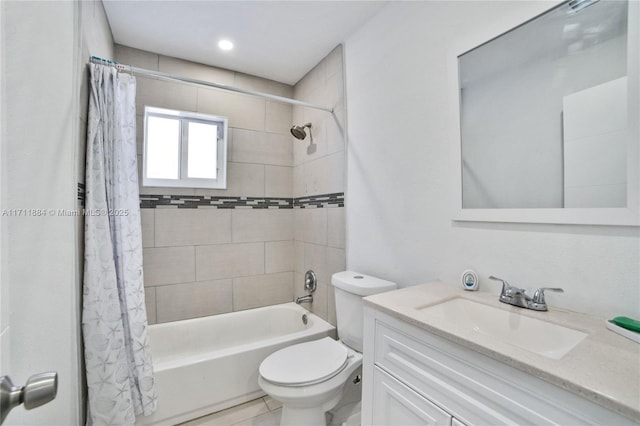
x=309 y=378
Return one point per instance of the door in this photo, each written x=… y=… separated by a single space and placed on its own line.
x=39 y=290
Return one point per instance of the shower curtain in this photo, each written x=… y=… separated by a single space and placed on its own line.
x=114 y=321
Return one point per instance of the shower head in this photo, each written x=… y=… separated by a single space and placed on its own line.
x=298 y=131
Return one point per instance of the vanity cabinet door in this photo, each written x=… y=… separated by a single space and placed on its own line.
x=396 y=404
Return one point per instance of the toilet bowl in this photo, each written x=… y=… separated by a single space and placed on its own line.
x=309 y=378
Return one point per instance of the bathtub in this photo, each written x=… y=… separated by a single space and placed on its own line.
x=207 y=364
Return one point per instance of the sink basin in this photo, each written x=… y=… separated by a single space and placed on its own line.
x=541 y=337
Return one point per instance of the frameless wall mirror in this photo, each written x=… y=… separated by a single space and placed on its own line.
x=548 y=118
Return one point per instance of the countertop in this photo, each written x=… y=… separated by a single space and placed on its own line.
x=603 y=368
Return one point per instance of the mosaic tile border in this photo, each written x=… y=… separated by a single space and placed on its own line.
x=148 y=201
x=81 y=192
x=196 y=201
x=319 y=201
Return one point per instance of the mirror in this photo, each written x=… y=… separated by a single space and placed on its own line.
x=548 y=118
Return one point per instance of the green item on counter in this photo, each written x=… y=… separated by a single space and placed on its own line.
x=628 y=323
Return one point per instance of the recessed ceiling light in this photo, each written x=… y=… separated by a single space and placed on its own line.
x=225 y=45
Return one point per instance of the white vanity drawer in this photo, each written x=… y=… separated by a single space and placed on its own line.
x=396 y=404
x=475 y=388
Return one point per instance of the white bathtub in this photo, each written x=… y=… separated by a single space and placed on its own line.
x=208 y=364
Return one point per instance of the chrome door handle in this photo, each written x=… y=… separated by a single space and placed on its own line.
x=39 y=389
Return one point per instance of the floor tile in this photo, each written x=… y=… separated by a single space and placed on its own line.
x=233 y=415
x=272 y=418
x=272 y=403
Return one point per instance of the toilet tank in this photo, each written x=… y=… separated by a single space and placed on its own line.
x=350 y=287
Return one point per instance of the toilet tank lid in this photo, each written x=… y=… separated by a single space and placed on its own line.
x=360 y=284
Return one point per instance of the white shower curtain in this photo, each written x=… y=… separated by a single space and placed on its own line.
x=114 y=320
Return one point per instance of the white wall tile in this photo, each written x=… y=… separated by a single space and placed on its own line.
x=170 y=65
x=279 y=118
x=229 y=260
x=150 y=304
x=315 y=259
x=249 y=146
x=168 y=265
x=262 y=225
x=262 y=290
x=298 y=286
x=336 y=262
x=334 y=90
x=164 y=94
x=333 y=62
x=136 y=57
x=188 y=227
x=258 y=84
x=325 y=175
x=244 y=112
x=279 y=256
x=155 y=190
x=278 y=181
x=298 y=247
x=243 y=179
x=335 y=227
x=335 y=134
x=191 y=300
x=299 y=183
x=147 y=217
x=331 y=306
x=319 y=305
x=310 y=225
x=263 y=148
x=261 y=156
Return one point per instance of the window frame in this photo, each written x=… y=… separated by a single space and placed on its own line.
x=184 y=118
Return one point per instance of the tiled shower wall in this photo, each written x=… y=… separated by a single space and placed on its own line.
x=319 y=168
x=207 y=260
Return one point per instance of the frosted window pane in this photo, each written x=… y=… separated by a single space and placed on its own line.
x=163 y=148
x=203 y=151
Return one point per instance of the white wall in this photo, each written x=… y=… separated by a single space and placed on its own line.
x=40 y=100
x=400 y=175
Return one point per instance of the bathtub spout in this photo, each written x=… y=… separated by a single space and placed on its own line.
x=304 y=299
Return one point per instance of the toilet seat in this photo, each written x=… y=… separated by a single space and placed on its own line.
x=305 y=363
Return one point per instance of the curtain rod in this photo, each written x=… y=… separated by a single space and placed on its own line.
x=170 y=77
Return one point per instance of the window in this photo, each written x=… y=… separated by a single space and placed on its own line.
x=184 y=149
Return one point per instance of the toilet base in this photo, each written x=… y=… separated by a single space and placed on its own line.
x=296 y=415
x=292 y=416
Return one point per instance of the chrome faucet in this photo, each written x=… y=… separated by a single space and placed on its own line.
x=305 y=299
x=310 y=284
x=517 y=296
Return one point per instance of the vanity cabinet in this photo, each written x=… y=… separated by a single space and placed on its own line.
x=414 y=377
x=396 y=404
